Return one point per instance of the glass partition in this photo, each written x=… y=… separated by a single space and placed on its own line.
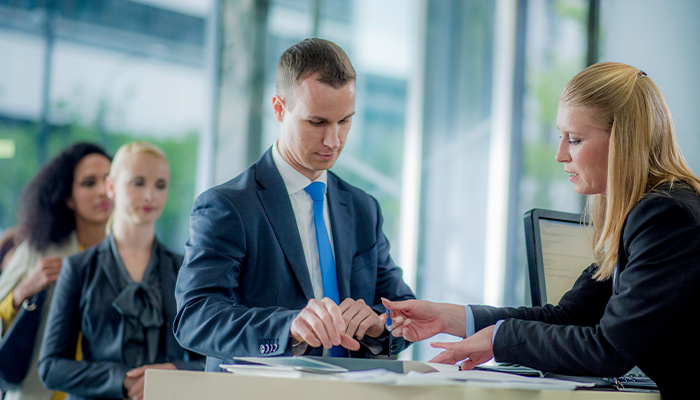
x=108 y=72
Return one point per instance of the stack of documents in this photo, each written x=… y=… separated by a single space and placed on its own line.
x=495 y=380
x=403 y=373
x=281 y=366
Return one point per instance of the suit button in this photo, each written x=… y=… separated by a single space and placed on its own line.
x=262 y=349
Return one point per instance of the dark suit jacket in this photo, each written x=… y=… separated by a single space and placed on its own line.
x=645 y=318
x=82 y=302
x=245 y=276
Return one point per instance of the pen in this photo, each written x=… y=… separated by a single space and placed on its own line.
x=388 y=328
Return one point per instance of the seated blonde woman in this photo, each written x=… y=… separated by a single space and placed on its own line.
x=119 y=293
x=635 y=304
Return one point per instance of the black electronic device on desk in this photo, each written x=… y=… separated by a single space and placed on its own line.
x=634 y=380
x=558 y=250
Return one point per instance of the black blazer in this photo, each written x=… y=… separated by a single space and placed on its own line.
x=245 y=277
x=644 y=316
x=82 y=302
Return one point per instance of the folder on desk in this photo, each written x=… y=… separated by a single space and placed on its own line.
x=394 y=372
x=295 y=365
x=398 y=366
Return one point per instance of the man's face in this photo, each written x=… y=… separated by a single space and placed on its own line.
x=314 y=129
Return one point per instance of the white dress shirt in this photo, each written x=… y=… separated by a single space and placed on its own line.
x=302 y=205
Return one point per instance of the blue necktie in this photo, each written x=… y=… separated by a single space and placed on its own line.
x=325 y=253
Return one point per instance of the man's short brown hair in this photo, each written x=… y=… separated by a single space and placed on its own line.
x=313 y=56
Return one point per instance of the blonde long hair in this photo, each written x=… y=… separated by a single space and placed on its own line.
x=643 y=151
x=121 y=159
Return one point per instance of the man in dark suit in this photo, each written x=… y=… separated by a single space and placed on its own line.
x=287 y=258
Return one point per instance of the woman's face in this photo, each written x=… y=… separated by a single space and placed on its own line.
x=583 y=149
x=140 y=189
x=89 y=199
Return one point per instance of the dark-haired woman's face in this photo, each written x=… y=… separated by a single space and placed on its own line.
x=89 y=198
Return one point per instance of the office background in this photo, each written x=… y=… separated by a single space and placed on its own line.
x=455 y=129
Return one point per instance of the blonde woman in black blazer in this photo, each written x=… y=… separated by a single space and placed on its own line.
x=119 y=294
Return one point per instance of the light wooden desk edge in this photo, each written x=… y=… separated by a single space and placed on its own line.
x=174 y=385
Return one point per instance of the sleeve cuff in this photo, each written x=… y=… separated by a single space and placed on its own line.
x=495 y=330
x=189 y=365
x=469 y=321
x=117 y=376
x=374 y=345
x=298 y=348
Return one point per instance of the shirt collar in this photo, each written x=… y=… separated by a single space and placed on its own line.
x=294 y=181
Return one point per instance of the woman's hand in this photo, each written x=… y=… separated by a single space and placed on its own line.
x=477 y=349
x=416 y=320
x=134 y=380
x=44 y=274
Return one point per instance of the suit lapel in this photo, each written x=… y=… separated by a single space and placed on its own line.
x=110 y=269
x=278 y=208
x=109 y=265
x=340 y=210
x=167 y=269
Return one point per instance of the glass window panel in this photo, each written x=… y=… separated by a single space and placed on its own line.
x=119 y=71
x=457 y=125
x=663 y=42
x=21 y=75
x=555 y=51
x=378 y=38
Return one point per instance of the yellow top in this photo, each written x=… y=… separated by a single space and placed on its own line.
x=7 y=310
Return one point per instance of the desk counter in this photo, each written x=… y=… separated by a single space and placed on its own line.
x=171 y=385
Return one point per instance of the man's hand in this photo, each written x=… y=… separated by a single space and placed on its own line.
x=321 y=323
x=416 y=320
x=44 y=274
x=134 y=381
x=477 y=349
x=360 y=319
